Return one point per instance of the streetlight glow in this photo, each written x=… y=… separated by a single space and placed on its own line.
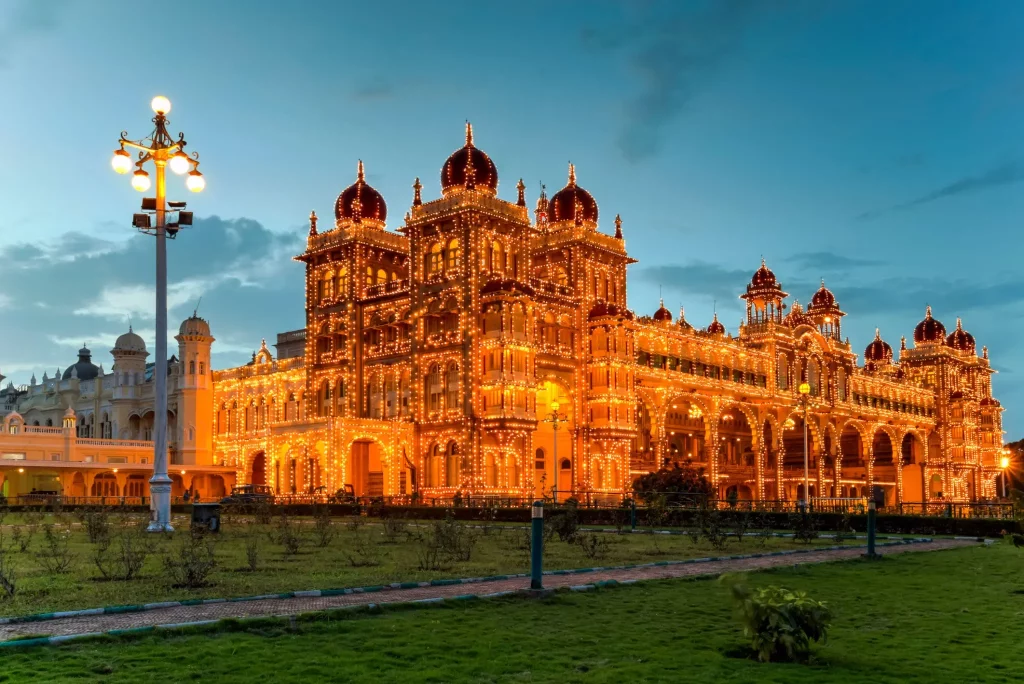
x=161 y=105
x=804 y=388
x=141 y=181
x=122 y=161
x=195 y=181
x=179 y=162
x=1004 y=462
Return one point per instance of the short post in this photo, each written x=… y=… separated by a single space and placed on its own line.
x=632 y=514
x=537 y=546
x=871 y=528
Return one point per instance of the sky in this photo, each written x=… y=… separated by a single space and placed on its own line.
x=877 y=145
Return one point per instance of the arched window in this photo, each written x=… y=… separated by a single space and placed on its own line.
x=453 y=254
x=434 y=389
x=369 y=276
x=538 y=461
x=497 y=257
x=435 y=259
x=339 y=396
x=451 y=465
x=324 y=398
x=783 y=372
x=191 y=367
x=561 y=276
x=451 y=384
x=841 y=384
x=341 y=282
x=382 y=276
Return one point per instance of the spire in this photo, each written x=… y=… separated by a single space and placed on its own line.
x=903 y=343
x=33 y=380
x=984 y=352
x=417 y=187
x=959 y=325
x=360 y=176
x=572 y=174
x=618 y=227
x=312 y=233
x=541 y=212
x=469 y=134
x=928 y=311
x=878 y=335
x=521 y=187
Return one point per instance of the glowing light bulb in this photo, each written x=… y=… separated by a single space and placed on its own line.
x=141 y=181
x=122 y=161
x=160 y=104
x=195 y=181
x=179 y=162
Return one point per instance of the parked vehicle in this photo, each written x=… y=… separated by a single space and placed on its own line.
x=250 y=494
x=346 y=495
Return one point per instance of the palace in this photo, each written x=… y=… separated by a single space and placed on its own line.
x=481 y=351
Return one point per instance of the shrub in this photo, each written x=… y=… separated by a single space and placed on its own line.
x=456 y=539
x=394 y=528
x=593 y=545
x=123 y=556
x=565 y=524
x=22 y=537
x=253 y=548
x=96 y=520
x=56 y=557
x=805 y=527
x=781 y=624
x=363 y=550
x=191 y=566
x=288 y=535
x=679 y=485
x=322 y=525
x=8 y=579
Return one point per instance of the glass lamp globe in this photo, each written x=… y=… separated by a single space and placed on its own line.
x=195 y=181
x=122 y=161
x=141 y=181
x=555 y=406
x=804 y=388
x=1004 y=462
x=179 y=162
x=160 y=104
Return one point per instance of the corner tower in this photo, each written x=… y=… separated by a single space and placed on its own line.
x=194 y=436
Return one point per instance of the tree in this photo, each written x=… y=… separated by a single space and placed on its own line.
x=678 y=484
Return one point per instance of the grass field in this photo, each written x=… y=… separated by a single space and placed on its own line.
x=950 y=616
x=498 y=550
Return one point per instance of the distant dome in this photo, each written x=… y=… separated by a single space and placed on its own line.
x=194 y=325
x=716 y=328
x=797 y=317
x=130 y=342
x=469 y=167
x=960 y=339
x=85 y=369
x=663 y=315
x=878 y=351
x=682 y=322
x=930 y=330
x=360 y=202
x=572 y=203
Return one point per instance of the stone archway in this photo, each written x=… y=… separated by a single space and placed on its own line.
x=366 y=468
x=912 y=469
x=258 y=469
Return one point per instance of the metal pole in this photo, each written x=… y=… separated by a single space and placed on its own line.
x=537 y=546
x=871 y=528
x=632 y=513
x=1004 y=483
x=160 y=483
x=554 y=428
x=807 y=491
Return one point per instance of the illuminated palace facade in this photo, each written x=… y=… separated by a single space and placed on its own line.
x=484 y=351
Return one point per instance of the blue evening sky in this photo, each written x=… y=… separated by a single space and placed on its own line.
x=877 y=145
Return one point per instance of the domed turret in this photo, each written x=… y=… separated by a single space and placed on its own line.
x=764 y=297
x=360 y=203
x=797 y=317
x=682 y=322
x=663 y=315
x=878 y=351
x=573 y=203
x=469 y=168
x=130 y=343
x=194 y=326
x=85 y=369
x=960 y=339
x=716 y=328
x=929 y=331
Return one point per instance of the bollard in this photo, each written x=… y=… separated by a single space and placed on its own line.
x=632 y=514
x=871 y=529
x=537 y=546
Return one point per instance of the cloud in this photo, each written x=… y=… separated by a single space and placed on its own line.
x=828 y=261
x=5 y=301
x=1005 y=174
x=673 y=51
x=72 y=290
x=25 y=21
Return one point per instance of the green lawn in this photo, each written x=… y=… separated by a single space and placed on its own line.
x=950 y=616
x=498 y=551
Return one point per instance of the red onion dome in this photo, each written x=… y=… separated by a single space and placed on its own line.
x=956 y=395
x=878 y=351
x=682 y=322
x=361 y=203
x=663 y=315
x=797 y=317
x=470 y=168
x=763 y=277
x=572 y=203
x=989 y=401
x=960 y=339
x=716 y=328
x=930 y=330
x=764 y=286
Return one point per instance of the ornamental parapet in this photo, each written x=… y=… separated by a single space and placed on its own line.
x=459 y=201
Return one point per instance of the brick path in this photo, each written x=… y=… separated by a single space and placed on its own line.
x=292 y=606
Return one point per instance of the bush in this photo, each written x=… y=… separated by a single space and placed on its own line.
x=565 y=523
x=804 y=526
x=96 y=520
x=322 y=525
x=593 y=545
x=679 y=485
x=394 y=528
x=253 y=548
x=191 y=566
x=56 y=557
x=288 y=535
x=123 y=556
x=781 y=624
x=363 y=550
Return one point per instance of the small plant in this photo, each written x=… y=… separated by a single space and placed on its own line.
x=355 y=523
x=805 y=527
x=288 y=535
x=21 y=537
x=96 y=520
x=712 y=528
x=394 y=528
x=253 y=549
x=456 y=539
x=593 y=545
x=323 y=526
x=741 y=526
x=263 y=513
x=190 y=567
x=565 y=524
x=56 y=557
x=363 y=550
x=844 y=529
x=781 y=624
x=8 y=579
x=763 y=529
x=123 y=555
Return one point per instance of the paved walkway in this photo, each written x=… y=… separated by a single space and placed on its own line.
x=292 y=606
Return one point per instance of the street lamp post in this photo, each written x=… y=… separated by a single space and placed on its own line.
x=555 y=418
x=1004 y=463
x=161 y=149
x=805 y=392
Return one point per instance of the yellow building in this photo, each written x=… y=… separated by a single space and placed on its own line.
x=480 y=351
x=88 y=433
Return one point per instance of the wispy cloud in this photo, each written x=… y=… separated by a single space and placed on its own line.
x=122 y=302
x=25 y=20
x=1005 y=174
x=828 y=261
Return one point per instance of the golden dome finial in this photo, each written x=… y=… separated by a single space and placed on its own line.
x=928 y=311
x=312 y=232
x=469 y=134
x=572 y=174
x=878 y=334
x=521 y=188
x=417 y=187
x=618 y=227
x=360 y=176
